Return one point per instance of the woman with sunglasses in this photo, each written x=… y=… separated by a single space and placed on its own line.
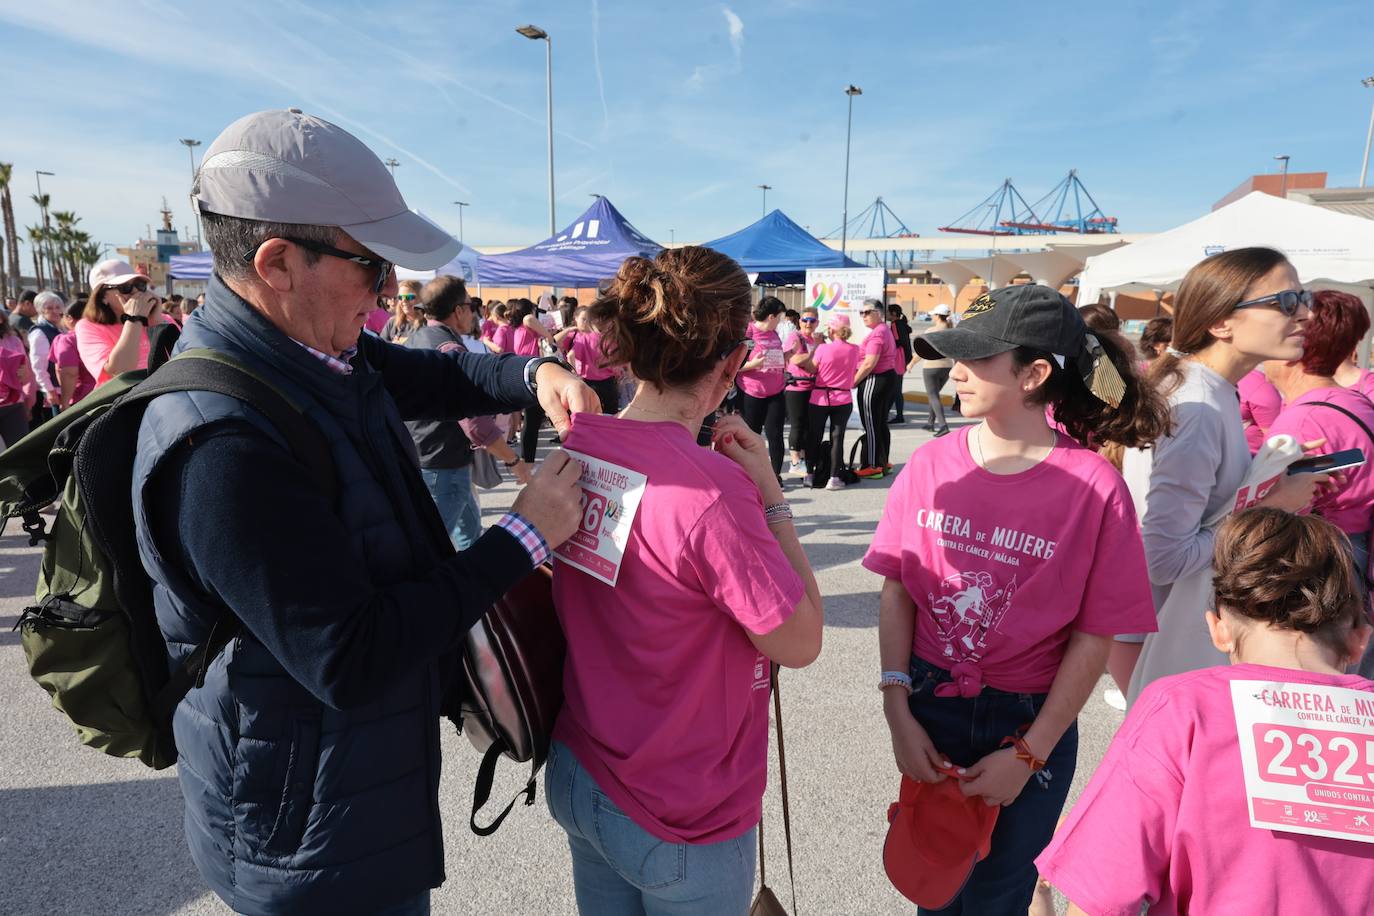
x=801 y=378
x=660 y=753
x=878 y=383
x=1233 y=311
x=112 y=335
x=407 y=319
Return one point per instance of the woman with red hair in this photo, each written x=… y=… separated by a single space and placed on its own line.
x=1318 y=408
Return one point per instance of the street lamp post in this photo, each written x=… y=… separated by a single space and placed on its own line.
x=461 y=204
x=391 y=164
x=850 y=91
x=1284 y=160
x=765 y=188
x=47 y=230
x=1368 y=83
x=672 y=238
x=191 y=148
x=534 y=33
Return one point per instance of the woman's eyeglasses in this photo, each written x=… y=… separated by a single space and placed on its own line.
x=747 y=343
x=384 y=268
x=125 y=289
x=808 y=321
x=1288 y=301
x=406 y=297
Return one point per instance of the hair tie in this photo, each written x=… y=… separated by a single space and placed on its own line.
x=1176 y=354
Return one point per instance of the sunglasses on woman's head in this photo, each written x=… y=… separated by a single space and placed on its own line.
x=1288 y=301
x=125 y=289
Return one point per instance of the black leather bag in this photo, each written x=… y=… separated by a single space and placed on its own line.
x=511 y=680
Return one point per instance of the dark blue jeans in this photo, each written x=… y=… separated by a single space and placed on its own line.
x=967 y=729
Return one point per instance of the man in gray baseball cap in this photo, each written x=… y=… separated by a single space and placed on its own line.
x=309 y=757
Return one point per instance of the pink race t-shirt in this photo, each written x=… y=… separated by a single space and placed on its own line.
x=63 y=355
x=665 y=697
x=1165 y=821
x=504 y=337
x=13 y=361
x=488 y=328
x=767 y=380
x=586 y=350
x=880 y=343
x=95 y=341
x=376 y=320
x=525 y=342
x=796 y=344
x=1260 y=404
x=1004 y=567
x=1351 y=507
x=836 y=361
x=1365 y=385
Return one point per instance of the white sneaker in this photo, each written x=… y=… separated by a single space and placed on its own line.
x=798 y=469
x=1114 y=698
x=835 y=484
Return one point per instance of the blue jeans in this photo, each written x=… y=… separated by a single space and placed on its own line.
x=417 y=905
x=620 y=869
x=452 y=492
x=967 y=729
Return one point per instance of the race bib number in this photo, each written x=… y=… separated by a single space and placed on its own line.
x=773 y=360
x=610 y=499
x=1308 y=756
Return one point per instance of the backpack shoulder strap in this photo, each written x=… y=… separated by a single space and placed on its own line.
x=1357 y=420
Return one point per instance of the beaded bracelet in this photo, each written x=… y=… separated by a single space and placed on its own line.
x=781 y=512
x=895 y=679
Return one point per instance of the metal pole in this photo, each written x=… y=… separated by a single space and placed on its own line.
x=1368 y=83
x=548 y=75
x=765 y=188
x=851 y=91
x=391 y=164
x=1284 y=191
x=191 y=149
x=461 y=204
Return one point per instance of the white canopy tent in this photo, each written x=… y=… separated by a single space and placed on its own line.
x=1330 y=250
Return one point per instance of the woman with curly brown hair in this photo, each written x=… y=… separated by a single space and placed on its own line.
x=1170 y=821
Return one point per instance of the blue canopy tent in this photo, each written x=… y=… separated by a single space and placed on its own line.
x=779 y=250
x=194 y=266
x=588 y=251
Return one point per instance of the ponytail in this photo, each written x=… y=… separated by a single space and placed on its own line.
x=1141 y=418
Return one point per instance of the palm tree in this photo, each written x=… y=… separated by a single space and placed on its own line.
x=11 y=240
x=65 y=267
x=36 y=236
x=42 y=201
x=88 y=255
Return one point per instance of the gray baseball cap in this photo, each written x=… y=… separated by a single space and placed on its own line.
x=290 y=167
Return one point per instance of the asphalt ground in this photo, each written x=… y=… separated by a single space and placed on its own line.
x=82 y=833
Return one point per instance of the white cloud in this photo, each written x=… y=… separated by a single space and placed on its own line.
x=736 y=26
x=704 y=73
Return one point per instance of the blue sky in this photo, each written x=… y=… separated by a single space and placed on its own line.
x=676 y=111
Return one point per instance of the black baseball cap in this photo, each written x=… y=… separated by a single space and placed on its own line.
x=1032 y=316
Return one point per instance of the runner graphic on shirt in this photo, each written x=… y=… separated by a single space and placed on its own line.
x=970 y=607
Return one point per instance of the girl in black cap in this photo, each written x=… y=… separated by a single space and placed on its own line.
x=1011 y=556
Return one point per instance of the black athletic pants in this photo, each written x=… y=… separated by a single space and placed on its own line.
x=797 y=403
x=608 y=390
x=529 y=432
x=875 y=398
x=816 y=417
x=765 y=416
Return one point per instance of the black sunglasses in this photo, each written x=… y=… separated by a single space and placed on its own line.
x=384 y=268
x=747 y=343
x=125 y=289
x=1288 y=301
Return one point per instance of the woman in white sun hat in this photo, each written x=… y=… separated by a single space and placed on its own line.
x=112 y=335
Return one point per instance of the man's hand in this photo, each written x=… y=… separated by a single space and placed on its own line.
x=562 y=393
x=552 y=502
x=998 y=778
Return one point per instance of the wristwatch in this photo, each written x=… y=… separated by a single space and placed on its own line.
x=532 y=369
x=141 y=319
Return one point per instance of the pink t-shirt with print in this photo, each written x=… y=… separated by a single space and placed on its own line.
x=1351 y=507
x=1004 y=567
x=836 y=361
x=665 y=697
x=880 y=343
x=1260 y=404
x=63 y=355
x=767 y=380
x=586 y=351
x=504 y=337
x=376 y=320
x=1164 y=819
x=796 y=344
x=95 y=341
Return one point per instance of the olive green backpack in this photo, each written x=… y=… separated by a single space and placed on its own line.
x=91 y=638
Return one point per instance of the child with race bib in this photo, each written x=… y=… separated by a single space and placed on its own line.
x=1201 y=804
x=1011 y=556
x=686 y=583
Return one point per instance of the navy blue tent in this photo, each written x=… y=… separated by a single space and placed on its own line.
x=588 y=251
x=194 y=266
x=779 y=250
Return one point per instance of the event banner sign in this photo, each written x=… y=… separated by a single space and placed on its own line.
x=1308 y=756
x=610 y=499
x=843 y=291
